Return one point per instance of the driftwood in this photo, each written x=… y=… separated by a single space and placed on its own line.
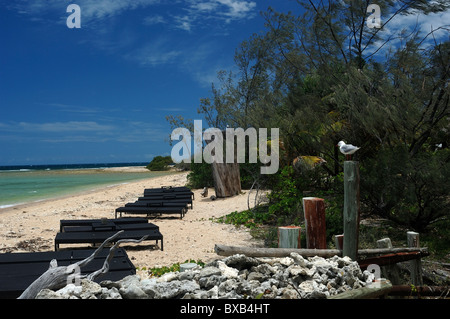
x=223 y=250
x=373 y=290
x=57 y=277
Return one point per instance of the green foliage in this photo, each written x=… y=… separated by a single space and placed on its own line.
x=160 y=163
x=286 y=197
x=200 y=175
x=410 y=191
x=159 y=271
x=247 y=218
x=324 y=77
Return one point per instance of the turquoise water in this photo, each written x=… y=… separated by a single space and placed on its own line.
x=22 y=186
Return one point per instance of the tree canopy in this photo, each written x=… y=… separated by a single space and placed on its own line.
x=325 y=75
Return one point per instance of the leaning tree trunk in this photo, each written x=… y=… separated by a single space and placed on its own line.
x=227 y=178
x=57 y=277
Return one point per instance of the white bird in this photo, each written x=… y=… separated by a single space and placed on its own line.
x=347 y=149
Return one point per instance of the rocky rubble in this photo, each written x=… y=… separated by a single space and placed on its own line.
x=233 y=277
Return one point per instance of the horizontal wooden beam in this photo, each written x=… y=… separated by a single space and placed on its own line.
x=391 y=259
x=223 y=250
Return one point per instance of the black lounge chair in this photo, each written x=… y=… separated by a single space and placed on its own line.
x=168 y=191
x=151 y=210
x=157 y=204
x=169 y=198
x=97 y=231
x=88 y=222
x=19 y=270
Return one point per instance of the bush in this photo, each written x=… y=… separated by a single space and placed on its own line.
x=160 y=163
x=286 y=197
x=200 y=175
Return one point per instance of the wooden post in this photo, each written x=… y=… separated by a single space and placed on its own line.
x=339 y=241
x=316 y=236
x=416 y=265
x=351 y=209
x=391 y=271
x=289 y=237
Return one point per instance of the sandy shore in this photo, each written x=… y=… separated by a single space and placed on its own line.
x=32 y=227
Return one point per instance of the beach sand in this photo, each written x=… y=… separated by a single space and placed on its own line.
x=33 y=226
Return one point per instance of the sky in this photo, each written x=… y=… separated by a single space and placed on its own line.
x=101 y=93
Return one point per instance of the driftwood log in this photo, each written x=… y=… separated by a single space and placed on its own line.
x=223 y=250
x=371 y=291
x=57 y=277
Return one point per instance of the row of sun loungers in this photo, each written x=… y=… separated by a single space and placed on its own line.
x=97 y=231
x=164 y=200
x=19 y=270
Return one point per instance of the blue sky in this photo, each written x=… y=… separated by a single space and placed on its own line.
x=100 y=93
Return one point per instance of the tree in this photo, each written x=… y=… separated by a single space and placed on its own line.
x=160 y=163
x=325 y=76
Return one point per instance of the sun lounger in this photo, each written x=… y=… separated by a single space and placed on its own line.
x=167 y=189
x=88 y=222
x=162 y=192
x=151 y=210
x=110 y=227
x=169 y=198
x=157 y=204
x=19 y=270
x=98 y=237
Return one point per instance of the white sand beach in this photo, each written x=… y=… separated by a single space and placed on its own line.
x=33 y=226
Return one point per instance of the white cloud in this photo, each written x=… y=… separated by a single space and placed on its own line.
x=220 y=10
x=238 y=9
x=61 y=127
x=154 y=19
x=79 y=131
x=401 y=27
x=155 y=53
x=90 y=9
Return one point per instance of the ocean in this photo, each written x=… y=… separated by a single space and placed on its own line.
x=29 y=183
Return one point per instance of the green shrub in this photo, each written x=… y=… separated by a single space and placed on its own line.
x=200 y=175
x=159 y=271
x=160 y=163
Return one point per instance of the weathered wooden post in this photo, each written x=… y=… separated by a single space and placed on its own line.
x=289 y=237
x=390 y=271
x=351 y=209
x=339 y=241
x=416 y=265
x=316 y=236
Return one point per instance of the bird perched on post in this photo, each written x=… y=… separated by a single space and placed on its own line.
x=347 y=149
